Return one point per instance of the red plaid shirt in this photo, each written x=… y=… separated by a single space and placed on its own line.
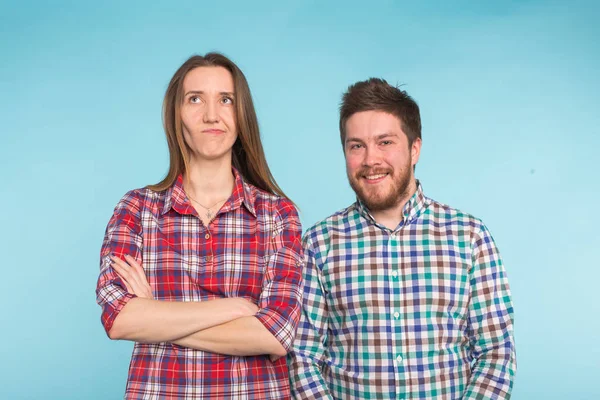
x=251 y=249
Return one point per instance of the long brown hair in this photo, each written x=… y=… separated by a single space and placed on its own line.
x=248 y=156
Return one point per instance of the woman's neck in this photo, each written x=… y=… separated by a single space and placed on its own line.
x=209 y=181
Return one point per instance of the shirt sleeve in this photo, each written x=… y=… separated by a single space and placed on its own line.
x=123 y=236
x=490 y=323
x=310 y=352
x=281 y=294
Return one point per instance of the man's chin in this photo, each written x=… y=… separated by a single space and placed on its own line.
x=371 y=197
x=374 y=203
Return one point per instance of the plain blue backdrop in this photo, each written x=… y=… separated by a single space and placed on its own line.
x=509 y=95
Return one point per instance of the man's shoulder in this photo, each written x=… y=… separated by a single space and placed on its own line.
x=441 y=213
x=343 y=219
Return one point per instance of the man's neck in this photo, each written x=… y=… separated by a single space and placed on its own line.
x=391 y=217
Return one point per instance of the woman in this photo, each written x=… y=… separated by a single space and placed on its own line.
x=203 y=270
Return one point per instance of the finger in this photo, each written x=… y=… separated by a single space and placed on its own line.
x=127 y=285
x=128 y=271
x=134 y=275
x=118 y=266
x=132 y=286
x=141 y=277
x=122 y=274
x=136 y=281
x=139 y=270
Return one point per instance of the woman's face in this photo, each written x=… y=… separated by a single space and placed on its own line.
x=208 y=113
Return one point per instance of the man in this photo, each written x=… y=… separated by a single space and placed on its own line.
x=404 y=297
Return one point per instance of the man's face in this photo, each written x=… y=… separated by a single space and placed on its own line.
x=379 y=162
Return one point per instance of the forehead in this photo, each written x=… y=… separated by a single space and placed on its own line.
x=370 y=124
x=208 y=79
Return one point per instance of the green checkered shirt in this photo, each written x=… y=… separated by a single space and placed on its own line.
x=421 y=312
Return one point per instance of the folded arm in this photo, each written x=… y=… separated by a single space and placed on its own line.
x=133 y=314
x=231 y=326
x=241 y=337
x=151 y=321
x=225 y=326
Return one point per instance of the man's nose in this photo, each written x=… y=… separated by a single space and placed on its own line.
x=372 y=157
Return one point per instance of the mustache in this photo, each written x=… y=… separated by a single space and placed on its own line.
x=372 y=171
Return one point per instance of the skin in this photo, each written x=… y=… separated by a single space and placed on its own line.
x=209 y=131
x=380 y=164
x=224 y=326
x=208 y=114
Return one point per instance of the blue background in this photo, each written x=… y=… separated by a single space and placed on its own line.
x=509 y=93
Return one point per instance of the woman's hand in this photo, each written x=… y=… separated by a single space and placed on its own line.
x=133 y=275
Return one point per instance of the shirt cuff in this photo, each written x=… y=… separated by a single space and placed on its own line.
x=111 y=310
x=283 y=329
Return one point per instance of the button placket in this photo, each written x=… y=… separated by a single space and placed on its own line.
x=209 y=248
x=396 y=304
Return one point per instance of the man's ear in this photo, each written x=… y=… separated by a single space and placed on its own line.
x=415 y=151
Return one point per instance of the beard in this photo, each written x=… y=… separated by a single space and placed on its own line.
x=382 y=198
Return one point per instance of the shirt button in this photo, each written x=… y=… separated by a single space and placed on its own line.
x=208 y=258
x=396 y=314
x=395 y=274
x=399 y=359
x=207 y=236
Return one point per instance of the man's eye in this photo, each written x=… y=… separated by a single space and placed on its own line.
x=386 y=142
x=355 y=146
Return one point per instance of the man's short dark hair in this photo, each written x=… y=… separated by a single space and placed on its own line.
x=376 y=94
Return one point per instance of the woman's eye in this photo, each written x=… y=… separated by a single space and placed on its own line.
x=227 y=100
x=194 y=99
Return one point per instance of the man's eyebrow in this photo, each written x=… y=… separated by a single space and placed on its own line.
x=353 y=139
x=378 y=137
x=386 y=135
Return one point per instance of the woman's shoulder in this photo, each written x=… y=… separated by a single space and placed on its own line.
x=143 y=198
x=270 y=203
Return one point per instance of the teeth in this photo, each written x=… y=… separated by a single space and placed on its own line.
x=375 y=176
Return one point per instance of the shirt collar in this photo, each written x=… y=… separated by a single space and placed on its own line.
x=243 y=193
x=411 y=210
